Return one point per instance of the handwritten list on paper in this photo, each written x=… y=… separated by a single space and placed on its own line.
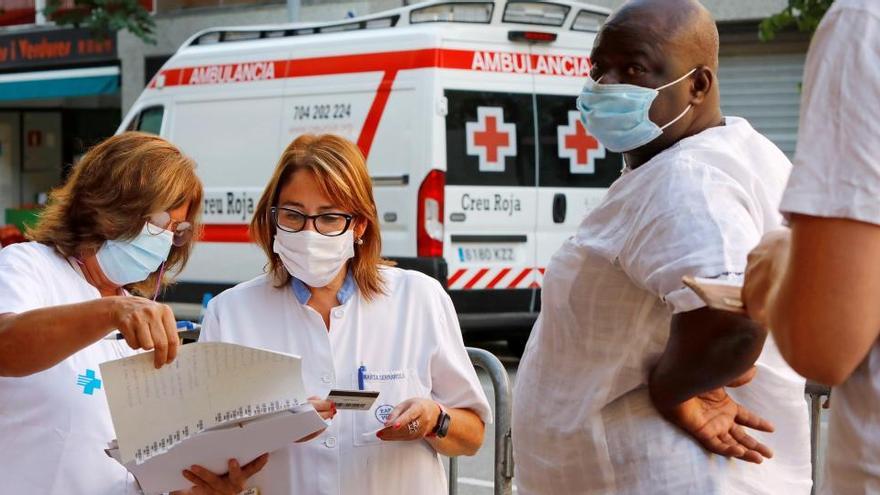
x=209 y=384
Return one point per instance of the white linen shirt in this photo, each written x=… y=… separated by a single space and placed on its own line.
x=53 y=428
x=583 y=421
x=837 y=174
x=409 y=342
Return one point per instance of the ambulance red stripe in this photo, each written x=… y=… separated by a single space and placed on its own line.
x=371 y=123
x=519 y=278
x=455 y=276
x=475 y=276
x=476 y=279
x=442 y=58
x=225 y=233
x=503 y=273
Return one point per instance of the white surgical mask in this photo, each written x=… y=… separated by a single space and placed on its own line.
x=617 y=114
x=130 y=261
x=313 y=258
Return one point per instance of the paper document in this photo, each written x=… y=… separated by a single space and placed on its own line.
x=212 y=449
x=209 y=384
x=724 y=295
x=215 y=402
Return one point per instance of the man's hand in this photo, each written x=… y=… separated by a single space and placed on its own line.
x=719 y=423
x=765 y=269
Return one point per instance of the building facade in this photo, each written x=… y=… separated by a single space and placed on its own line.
x=59 y=94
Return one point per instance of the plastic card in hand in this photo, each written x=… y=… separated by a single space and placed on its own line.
x=723 y=295
x=356 y=400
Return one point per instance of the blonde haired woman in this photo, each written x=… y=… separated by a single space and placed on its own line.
x=357 y=322
x=124 y=218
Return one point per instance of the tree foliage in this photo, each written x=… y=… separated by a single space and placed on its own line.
x=104 y=17
x=805 y=15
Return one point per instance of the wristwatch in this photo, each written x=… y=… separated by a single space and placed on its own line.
x=443 y=421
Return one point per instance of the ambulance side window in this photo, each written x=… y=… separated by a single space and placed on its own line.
x=151 y=120
x=570 y=157
x=148 y=120
x=502 y=139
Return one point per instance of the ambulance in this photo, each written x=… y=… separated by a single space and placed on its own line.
x=466 y=113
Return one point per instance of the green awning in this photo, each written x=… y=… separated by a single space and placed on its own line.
x=59 y=83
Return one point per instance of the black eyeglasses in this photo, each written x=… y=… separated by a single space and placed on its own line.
x=327 y=224
x=158 y=222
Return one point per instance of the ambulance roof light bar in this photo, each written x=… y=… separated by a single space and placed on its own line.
x=472 y=12
x=229 y=35
x=540 y=13
x=551 y=13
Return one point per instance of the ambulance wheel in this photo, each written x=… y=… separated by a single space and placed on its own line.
x=517 y=345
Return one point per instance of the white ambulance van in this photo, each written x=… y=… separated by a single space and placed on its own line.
x=465 y=111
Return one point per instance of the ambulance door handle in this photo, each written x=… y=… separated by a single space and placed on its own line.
x=559 y=208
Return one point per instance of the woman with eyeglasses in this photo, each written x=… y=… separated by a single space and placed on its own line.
x=359 y=324
x=123 y=220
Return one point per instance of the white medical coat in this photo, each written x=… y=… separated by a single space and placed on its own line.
x=55 y=424
x=411 y=345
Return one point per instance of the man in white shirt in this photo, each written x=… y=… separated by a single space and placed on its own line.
x=622 y=388
x=817 y=286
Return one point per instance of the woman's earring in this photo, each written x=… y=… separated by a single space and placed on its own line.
x=359 y=241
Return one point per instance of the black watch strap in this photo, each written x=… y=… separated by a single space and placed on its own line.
x=443 y=421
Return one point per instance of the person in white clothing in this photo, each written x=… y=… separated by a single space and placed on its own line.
x=123 y=220
x=629 y=384
x=358 y=323
x=817 y=285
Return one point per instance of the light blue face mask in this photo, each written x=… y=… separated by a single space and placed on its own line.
x=127 y=262
x=617 y=114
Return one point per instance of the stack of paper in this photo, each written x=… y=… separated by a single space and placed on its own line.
x=215 y=402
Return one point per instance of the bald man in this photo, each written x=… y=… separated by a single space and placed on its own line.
x=629 y=384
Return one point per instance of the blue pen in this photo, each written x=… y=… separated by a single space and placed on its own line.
x=361 y=372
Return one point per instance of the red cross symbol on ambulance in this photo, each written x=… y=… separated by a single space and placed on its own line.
x=581 y=149
x=490 y=139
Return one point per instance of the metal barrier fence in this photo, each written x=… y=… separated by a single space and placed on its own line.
x=815 y=392
x=503 y=442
